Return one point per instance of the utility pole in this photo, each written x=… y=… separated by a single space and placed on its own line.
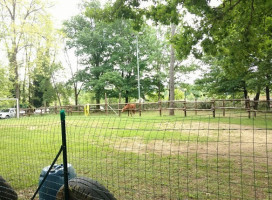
x=172 y=74
x=138 y=70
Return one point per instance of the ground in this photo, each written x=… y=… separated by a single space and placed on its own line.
x=146 y=157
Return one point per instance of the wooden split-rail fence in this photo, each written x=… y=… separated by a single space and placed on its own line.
x=213 y=106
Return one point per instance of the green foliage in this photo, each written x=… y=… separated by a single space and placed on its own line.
x=43 y=91
x=236 y=36
x=5 y=83
x=216 y=81
x=108 y=51
x=179 y=94
x=164 y=13
x=24 y=25
x=120 y=9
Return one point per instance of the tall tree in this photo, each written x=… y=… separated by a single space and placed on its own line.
x=237 y=33
x=108 y=50
x=77 y=86
x=92 y=43
x=16 y=16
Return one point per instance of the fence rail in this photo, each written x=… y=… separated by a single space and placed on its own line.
x=218 y=106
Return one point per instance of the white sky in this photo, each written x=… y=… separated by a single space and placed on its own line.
x=63 y=10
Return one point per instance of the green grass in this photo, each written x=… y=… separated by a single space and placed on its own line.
x=148 y=157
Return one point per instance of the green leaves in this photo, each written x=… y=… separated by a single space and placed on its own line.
x=5 y=83
x=108 y=51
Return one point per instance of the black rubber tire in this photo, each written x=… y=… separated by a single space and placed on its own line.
x=6 y=191
x=83 y=188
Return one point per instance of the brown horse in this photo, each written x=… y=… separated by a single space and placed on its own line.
x=130 y=107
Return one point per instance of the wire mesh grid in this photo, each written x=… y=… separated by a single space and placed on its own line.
x=150 y=157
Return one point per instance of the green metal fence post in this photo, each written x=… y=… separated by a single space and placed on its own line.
x=65 y=168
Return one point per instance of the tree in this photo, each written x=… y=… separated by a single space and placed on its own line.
x=44 y=81
x=91 y=42
x=77 y=86
x=159 y=59
x=43 y=91
x=237 y=34
x=164 y=12
x=17 y=16
x=108 y=50
x=217 y=82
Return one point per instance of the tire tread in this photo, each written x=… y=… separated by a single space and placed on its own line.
x=87 y=189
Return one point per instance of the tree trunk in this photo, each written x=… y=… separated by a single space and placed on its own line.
x=126 y=97
x=256 y=99
x=267 y=93
x=76 y=94
x=55 y=88
x=30 y=102
x=14 y=69
x=245 y=91
x=23 y=94
x=172 y=74
x=247 y=104
x=159 y=92
x=97 y=100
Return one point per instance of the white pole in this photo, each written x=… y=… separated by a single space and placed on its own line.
x=138 y=70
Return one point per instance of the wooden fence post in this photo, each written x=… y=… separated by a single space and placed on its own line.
x=213 y=108
x=119 y=111
x=195 y=106
x=56 y=109
x=255 y=107
x=224 y=111
x=106 y=104
x=140 y=109
x=185 y=112
x=247 y=102
x=160 y=107
x=45 y=111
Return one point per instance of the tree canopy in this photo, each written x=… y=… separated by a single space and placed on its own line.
x=108 y=52
x=231 y=42
x=237 y=33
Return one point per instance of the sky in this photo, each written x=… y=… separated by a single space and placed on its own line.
x=63 y=10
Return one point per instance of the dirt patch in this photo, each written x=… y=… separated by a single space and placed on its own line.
x=204 y=139
x=26 y=193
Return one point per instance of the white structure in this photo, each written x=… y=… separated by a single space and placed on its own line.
x=17 y=104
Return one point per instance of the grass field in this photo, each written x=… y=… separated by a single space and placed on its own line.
x=148 y=157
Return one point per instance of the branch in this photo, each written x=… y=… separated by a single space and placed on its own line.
x=233 y=6
x=11 y=15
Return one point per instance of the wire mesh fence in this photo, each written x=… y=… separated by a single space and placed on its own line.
x=148 y=157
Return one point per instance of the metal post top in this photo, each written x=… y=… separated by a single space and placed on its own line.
x=62 y=115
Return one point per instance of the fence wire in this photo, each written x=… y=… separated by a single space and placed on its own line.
x=149 y=157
